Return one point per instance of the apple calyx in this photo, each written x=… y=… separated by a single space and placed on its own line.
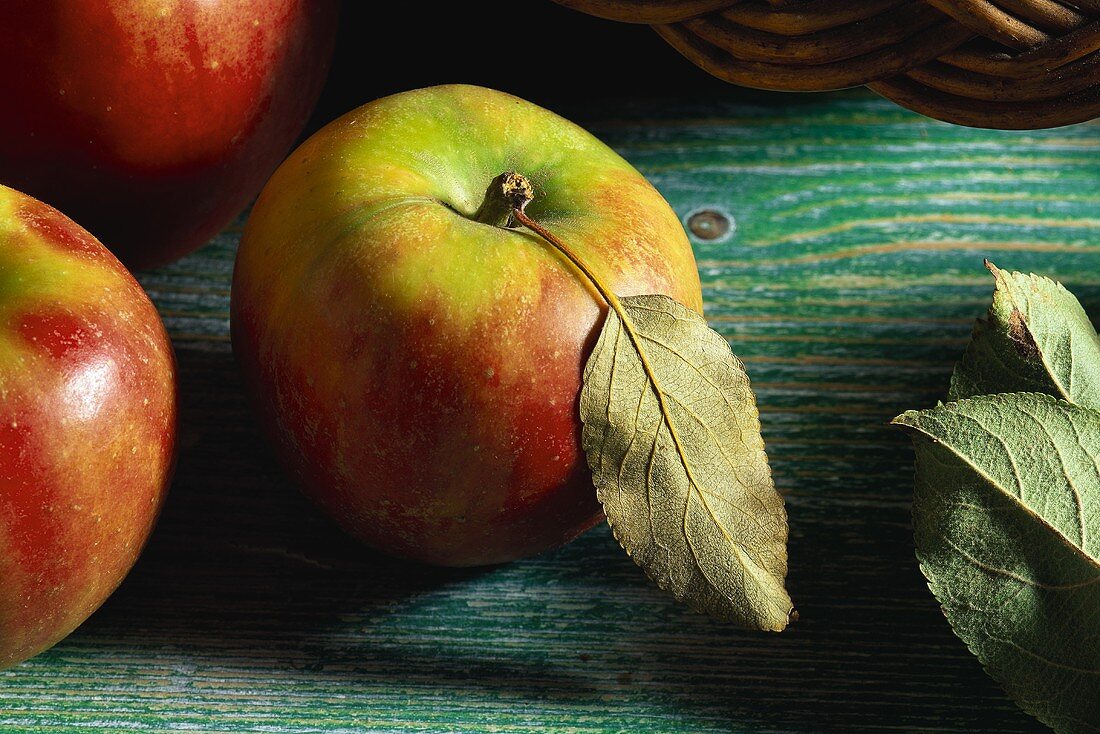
x=506 y=193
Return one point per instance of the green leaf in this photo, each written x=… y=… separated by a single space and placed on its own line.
x=672 y=436
x=1037 y=338
x=1006 y=516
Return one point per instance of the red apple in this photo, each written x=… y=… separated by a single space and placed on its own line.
x=87 y=424
x=154 y=123
x=419 y=369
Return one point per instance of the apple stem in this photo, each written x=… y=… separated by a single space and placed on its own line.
x=505 y=205
x=508 y=191
x=522 y=217
x=613 y=301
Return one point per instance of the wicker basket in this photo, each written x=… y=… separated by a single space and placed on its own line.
x=1011 y=64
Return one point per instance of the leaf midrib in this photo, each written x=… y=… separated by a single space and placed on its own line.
x=754 y=569
x=1025 y=317
x=1095 y=563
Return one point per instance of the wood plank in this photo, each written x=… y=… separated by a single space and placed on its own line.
x=848 y=286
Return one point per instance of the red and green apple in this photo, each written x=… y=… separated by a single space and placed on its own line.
x=87 y=424
x=154 y=123
x=418 y=362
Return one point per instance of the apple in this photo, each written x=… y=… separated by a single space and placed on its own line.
x=87 y=424
x=153 y=124
x=419 y=369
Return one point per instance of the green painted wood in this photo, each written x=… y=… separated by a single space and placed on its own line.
x=848 y=286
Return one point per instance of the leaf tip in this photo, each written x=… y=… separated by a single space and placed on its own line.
x=778 y=619
x=779 y=623
x=905 y=420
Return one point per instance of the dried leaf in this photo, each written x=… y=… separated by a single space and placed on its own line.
x=672 y=436
x=1036 y=338
x=1007 y=522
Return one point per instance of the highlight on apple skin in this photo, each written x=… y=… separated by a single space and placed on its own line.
x=154 y=124
x=418 y=370
x=87 y=424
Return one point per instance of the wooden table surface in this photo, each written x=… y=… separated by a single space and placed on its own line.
x=848 y=286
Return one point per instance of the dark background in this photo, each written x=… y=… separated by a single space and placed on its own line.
x=548 y=54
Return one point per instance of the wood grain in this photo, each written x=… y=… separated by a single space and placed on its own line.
x=848 y=285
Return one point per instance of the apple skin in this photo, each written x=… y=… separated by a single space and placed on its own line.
x=87 y=424
x=419 y=371
x=153 y=124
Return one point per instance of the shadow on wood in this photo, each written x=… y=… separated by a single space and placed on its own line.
x=244 y=577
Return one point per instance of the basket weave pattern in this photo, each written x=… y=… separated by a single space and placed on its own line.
x=1012 y=64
